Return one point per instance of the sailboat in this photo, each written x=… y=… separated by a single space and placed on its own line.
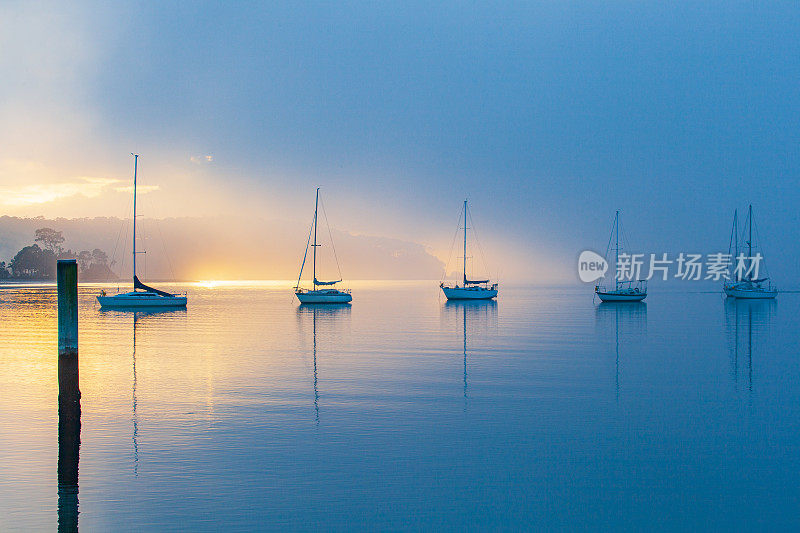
x=480 y=289
x=745 y=285
x=623 y=291
x=316 y=295
x=147 y=296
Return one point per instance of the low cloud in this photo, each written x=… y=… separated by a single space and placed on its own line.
x=199 y=159
x=42 y=193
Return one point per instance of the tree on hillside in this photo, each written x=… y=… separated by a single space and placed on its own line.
x=39 y=263
x=99 y=257
x=50 y=239
x=84 y=260
x=33 y=263
x=94 y=265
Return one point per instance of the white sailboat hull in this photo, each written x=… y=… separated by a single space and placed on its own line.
x=469 y=293
x=141 y=299
x=750 y=294
x=326 y=296
x=621 y=296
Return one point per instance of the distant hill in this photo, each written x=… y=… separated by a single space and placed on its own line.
x=191 y=248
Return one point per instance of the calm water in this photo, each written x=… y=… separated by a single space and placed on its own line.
x=402 y=411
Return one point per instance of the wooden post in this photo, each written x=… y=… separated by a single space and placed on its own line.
x=69 y=395
x=67 y=277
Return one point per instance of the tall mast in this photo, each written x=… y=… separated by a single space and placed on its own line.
x=135 y=165
x=750 y=234
x=316 y=207
x=465 y=243
x=616 y=247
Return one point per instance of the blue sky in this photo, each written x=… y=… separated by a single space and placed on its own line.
x=547 y=115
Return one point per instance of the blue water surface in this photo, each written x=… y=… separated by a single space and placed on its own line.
x=402 y=411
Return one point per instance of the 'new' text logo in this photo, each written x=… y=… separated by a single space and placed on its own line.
x=591 y=266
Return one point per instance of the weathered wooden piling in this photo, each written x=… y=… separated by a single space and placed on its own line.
x=67 y=277
x=69 y=396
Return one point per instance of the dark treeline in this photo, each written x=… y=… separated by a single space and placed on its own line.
x=37 y=262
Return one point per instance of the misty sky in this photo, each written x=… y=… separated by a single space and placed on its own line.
x=547 y=115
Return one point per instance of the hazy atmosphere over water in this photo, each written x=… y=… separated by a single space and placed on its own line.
x=533 y=388
x=547 y=115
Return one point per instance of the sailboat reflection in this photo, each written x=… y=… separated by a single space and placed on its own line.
x=479 y=314
x=327 y=314
x=140 y=318
x=627 y=319
x=746 y=321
